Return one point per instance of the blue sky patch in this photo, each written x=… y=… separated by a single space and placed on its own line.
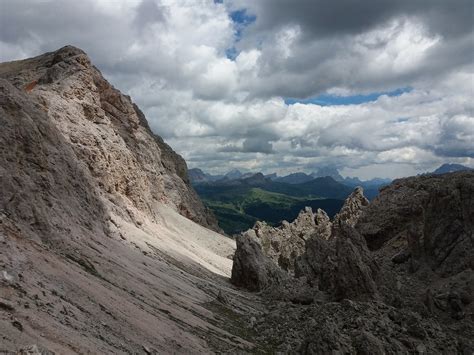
x=241 y=20
x=332 y=100
x=241 y=17
x=231 y=53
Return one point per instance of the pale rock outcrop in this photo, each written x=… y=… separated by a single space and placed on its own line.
x=305 y=247
x=323 y=224
x=266 y=255
x=108 y=134
x=285 y=243
x=352 y=208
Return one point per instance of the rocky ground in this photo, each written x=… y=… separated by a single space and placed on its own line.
x=392 y=276
x=104 y=246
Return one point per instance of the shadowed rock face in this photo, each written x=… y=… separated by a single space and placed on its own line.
x=342 y=266
x=40 y=177
x=394 y=275
x=356 y=270
x=431 y=218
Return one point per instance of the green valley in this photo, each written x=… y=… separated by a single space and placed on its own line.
x=237 y=208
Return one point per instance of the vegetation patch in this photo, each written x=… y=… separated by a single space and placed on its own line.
x=237 y=208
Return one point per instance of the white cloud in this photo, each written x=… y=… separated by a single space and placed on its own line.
x=397 y=47
x=170 y=56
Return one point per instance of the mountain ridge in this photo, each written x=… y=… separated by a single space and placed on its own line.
x=69 y=72
x=450 y=168
x=96 y=222
x=105 y=246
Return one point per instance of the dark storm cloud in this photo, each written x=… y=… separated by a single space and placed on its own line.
x=457 y=137
x=334 y=45
x=249 y=145
x=329 y=18
x=257 y=145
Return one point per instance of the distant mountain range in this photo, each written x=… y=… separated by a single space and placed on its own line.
x=295 y=178
x=327 y=171
x=240 y=199
x=237 y=178
x=238 y=204
x=197 y=176
x=450 y=168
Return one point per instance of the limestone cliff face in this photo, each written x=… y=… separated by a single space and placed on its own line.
x=95 y=254
x=45 y=191
x=108 y=134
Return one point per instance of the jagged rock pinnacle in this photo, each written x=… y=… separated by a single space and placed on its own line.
x=352 y=208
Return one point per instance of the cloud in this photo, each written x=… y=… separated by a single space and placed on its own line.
x=256 y=145
x=325 y=19
x=213 y=77
x=248 y=145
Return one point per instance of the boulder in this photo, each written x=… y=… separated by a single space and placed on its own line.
x=252 y=269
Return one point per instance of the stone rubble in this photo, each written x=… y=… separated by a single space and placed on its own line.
x=391 y=276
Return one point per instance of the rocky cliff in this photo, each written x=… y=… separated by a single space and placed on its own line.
x=107 y=132
x=99 y=249
x=392 y=276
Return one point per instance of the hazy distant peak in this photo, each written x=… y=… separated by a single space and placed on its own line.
x=295 y=178
x=450 y=168
x=327 y=171
x=233 y=174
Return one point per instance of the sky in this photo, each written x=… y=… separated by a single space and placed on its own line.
x=371 y=87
